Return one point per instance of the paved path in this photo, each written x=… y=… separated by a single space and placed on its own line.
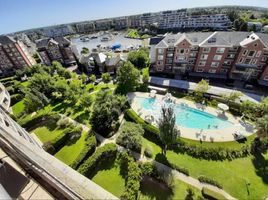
x=161 y=167
x=191 y=86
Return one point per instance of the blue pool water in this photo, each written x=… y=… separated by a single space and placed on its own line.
x=186 y=116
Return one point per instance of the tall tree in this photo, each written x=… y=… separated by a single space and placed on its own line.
x=201 y=88
x=232 y=96
x=166 y=124
x=128 y=78
x=262 y=125
x=139 y=59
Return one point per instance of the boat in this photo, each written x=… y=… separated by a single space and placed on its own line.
x=85 y=39
x=105 y=39
x=93 y=37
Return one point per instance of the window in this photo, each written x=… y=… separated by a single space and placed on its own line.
x=169 y=61
x=227 y=62
x=160 y=57
x=256 y=44
x=191 y=61
x=202 y=63
x=247 y=61
x=265 y=78
x=241 y=60
x=220 y=50
x=258 y=54
x=230 y=56
x=245 y=52
x=160 y=51
x=180 y=51
x=206 y=50
x=193 y=54
x=254 y=61
x=213 y=71
x=215 y=64
x=204 y=57
x=251 y=53
x=181 y=58
x=200 y=70
x=170 y=55
x=223 y=70
x=159 y=69
x=160 y=62
x=217 y=57
x=264 y=59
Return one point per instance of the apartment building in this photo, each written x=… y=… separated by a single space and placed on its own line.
x=221 y=55
x=56 y=49
x=166 y=20
x=13 y=55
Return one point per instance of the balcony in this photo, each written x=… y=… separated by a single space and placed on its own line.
x=244 y=67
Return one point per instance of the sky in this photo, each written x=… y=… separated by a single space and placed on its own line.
x=17 y=15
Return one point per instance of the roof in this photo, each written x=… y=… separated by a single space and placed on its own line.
x=216 y=39
x=252 y=37
x=60 y=40
x=112 y=61
x=4 y=40
x=155 y=40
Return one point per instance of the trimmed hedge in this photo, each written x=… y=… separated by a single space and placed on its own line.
x=151 y=132
x=87 y=151
x=60 y=140
x=15 y=98
x=210 y=181
x=210 y=194
x=101 y=155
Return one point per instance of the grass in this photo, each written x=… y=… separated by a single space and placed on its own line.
x=233 y=175
x=72 y=149
x=109 y=178
x=47 y=132
x=18 y=107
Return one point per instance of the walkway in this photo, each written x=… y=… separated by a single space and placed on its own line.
x=161 y=167
x=191 y=86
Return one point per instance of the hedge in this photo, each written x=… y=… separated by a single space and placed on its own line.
x=15 y=98
x=101 y=155
x=210 y=194
x=210 y=181
x=151 y=132
x=87 y=151
x=60 y=140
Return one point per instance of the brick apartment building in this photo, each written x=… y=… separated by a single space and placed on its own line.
x=222 y=55
x=13 y=55
x=55 y=49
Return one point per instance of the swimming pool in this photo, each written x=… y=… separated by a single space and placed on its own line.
x=185 y=116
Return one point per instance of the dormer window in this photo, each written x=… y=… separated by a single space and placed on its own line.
x=256 y=44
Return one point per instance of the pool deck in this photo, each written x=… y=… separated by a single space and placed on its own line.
x=213 y=135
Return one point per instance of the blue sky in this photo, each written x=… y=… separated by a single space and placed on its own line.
x=16 y=15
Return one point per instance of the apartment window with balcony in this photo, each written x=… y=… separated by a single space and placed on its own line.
x=251 y=53
x=258 y=54
x=241 y=60
x=191 y=61
x=212 y=71
x=200 y=70
x=223 y=70
x=206 y=50
x=230 y=56
x=160 y=57
x=204 y=57
x=181 y=58
x=254 y=61
x=263 y=59
x=180 y=51
x=217 y=57
x=170 y=55
x=215 y=64
x=160 y=51
x=169 y=61
x=193 y=54
x=227 y=62
x=245 y=52
x=247 y=61
x=220 y=50
x=202 y=63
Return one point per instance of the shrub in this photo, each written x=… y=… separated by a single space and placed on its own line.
x=60 y=140
x=148 y=153
x=149 y=169
x=102 y=154
x=15 y=98
x=63 y=122
x=87 y=151
x=132 y=185
x=151 y=132
x=130 y=136
x=210 y=181
x=210 y=194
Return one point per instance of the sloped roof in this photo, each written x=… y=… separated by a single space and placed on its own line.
x=155 y=40
x=162 y=44
x=59 y=40
x=4 y=40
x=252 y=37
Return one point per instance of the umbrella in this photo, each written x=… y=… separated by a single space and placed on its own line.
x=223 y=106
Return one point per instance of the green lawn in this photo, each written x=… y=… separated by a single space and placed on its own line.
x=72 y=149
x=18 y=108
x=110 y=179
x=47 y=132
x=233 y=175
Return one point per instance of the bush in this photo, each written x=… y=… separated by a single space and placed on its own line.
x=60 y=140
x=63 y=122
x=148 y=153
x=102 y=154
x=132 y=185
x=15 y=98
x=149 y=169
x=151 y=132
x=130 y=136
x=210 y=181
x=87 y=151
x=210 y=194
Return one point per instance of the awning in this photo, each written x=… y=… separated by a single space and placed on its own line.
x=208 y=75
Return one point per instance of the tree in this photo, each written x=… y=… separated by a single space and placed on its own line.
x=190 y=194
x=145 y=76
x=201 y=88
x=262 y=125
x=263 y=106
x=232 y=97
x=92 y=78
x=85 y=50
x=83 y=78
x=34 y=100
x=128 y=78
x=86 y=101
x=166 y=124
x=139 y=59
x=106 y=77
x=130 y=136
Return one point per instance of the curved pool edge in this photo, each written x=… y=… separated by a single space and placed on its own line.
x=216 y=135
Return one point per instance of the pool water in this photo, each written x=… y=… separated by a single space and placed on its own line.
x=185 y=116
